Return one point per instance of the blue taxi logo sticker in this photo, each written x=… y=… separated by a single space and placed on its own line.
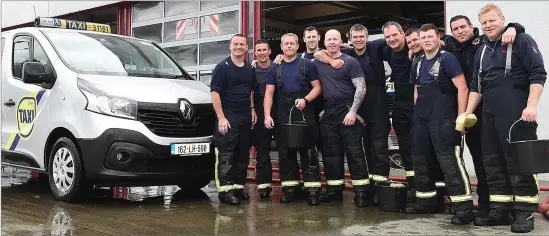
x=26 y=113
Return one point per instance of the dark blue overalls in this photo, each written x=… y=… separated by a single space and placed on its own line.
x=289 y=167
x=504 y=99
x=435 y=113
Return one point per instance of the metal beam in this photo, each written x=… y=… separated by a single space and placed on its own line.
x=343 y=6
x=308 y=3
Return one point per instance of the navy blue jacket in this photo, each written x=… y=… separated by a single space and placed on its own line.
x=466 y=52
x=526 y=62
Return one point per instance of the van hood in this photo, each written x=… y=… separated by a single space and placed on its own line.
x=151 y=90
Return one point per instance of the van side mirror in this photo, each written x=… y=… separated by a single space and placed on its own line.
x=35 y=73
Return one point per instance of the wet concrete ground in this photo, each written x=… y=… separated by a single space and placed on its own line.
x=28 y=208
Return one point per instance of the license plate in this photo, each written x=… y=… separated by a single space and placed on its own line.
x=189 y=149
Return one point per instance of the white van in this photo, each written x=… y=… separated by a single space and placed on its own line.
x=93 y=108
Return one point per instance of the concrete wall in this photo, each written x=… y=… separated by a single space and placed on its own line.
x=531 y=14
x=20 y=12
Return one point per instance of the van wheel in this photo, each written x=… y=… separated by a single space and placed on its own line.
x=66 y=174
x=196 y=185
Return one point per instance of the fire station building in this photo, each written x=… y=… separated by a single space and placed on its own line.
x=197 y=33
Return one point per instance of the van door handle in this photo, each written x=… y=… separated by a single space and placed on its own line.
x=9 y=103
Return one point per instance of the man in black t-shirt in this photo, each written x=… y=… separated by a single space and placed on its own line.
x=311 y=37
x=233 y=80
x=396 y=55
x=261 y=136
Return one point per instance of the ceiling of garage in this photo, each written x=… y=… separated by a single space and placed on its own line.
x=372 y=14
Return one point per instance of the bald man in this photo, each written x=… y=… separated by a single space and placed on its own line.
x=343 y=91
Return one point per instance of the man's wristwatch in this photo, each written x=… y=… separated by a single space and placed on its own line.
x=306 y=101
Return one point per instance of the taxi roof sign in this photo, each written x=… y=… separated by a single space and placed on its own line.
x=71 y=24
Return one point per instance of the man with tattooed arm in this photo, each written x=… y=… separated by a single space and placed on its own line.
x=343 y=92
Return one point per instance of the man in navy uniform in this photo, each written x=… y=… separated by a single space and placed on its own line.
x=440 y=94
x=261 y=136
x=343 y=91
x=464 y=42
x=509 y=80
x=233 y=80
x=296 y=83
x=375 y=108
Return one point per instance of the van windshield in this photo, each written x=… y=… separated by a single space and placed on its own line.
x=90 y=53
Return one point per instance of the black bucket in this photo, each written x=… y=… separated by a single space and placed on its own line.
x=529 y=156
x=392 y=195
x=298 y=134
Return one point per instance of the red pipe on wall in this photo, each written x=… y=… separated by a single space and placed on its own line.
x=120 y=20
x=129 y=20
x=257 y=20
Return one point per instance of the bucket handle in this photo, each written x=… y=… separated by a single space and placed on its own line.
x=290 y=116
x=511 y=128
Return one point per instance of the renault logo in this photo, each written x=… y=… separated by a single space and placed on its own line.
x=186 y=109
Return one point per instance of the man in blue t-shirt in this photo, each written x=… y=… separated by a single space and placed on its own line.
x=343 y=90
x=261 y=136
x=233 y=80
x=440 y=94
x=296 y=84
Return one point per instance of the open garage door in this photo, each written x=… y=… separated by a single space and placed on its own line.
x=278 y=18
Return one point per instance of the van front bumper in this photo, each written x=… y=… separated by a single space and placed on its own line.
x=126 y=157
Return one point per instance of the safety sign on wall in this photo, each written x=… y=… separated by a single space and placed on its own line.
x=190 y=26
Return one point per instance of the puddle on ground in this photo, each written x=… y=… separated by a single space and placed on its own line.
x=13 y=177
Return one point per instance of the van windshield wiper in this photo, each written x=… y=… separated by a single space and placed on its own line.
x=180 y=76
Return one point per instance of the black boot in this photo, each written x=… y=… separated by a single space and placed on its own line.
x=361 y=199
x=411 y=195
x=411 y=192
x=241 y=195
x=463 y=217
x=289 y=195
x=330 y=195
x=314 y=197
x=494 y=217
x=228 y=198
x=415 y=208
x=372 y=195
x=524 y=221
x=264 y=192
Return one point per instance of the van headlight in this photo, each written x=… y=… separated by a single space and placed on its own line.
x=101 y=102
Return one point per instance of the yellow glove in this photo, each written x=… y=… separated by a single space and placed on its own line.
x=470 y=121
x=465 y=121
x=460 y=123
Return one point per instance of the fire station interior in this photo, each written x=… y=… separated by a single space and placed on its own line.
x=278 y=17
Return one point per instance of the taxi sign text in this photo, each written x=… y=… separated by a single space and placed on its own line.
x=72 y=24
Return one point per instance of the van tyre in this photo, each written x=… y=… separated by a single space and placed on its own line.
x=66 y=173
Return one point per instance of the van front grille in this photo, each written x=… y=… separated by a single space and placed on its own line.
x=167 y=121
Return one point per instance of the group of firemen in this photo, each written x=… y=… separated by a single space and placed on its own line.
x=446 y=88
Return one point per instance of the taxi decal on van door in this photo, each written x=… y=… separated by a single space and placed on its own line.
x=25 y=115
x=26 y=112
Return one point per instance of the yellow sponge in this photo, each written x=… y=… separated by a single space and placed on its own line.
x=460 y=123
x=465 y=121
x=470 y=121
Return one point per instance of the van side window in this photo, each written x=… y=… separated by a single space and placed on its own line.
x=27 y=49
x=40 y=54
x=21 y=54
